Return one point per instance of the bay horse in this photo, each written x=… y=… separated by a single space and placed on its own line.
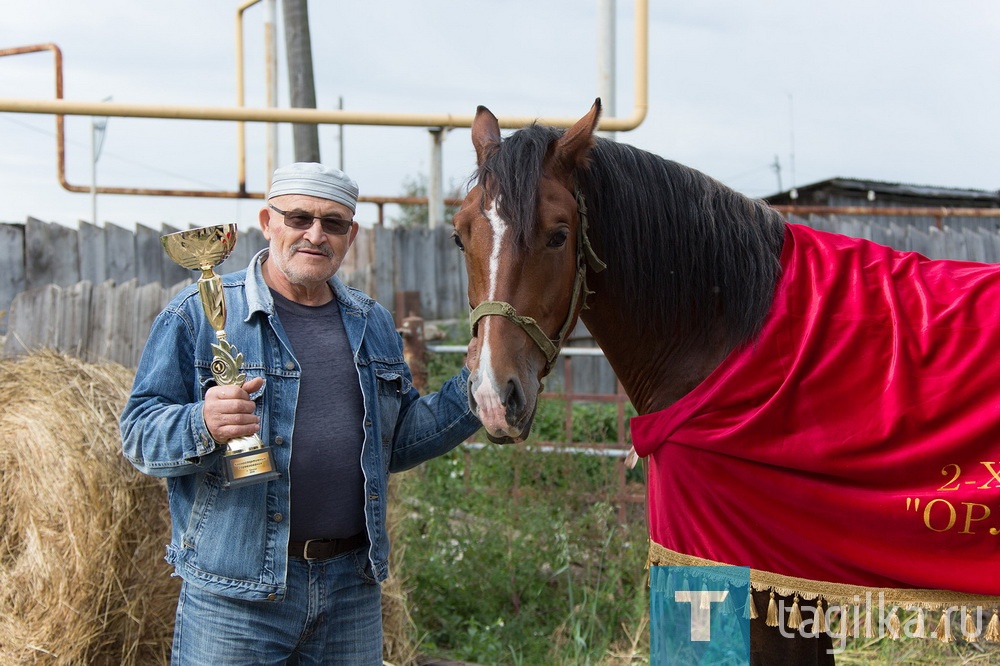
x=792 y=386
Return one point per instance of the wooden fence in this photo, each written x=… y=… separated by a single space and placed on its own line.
x=95 y=291
x=38 y=254
x=382 y=262
x=965 y=239
x=423 y=262
x=104 y=322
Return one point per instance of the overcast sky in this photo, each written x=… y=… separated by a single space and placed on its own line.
x=893 y=90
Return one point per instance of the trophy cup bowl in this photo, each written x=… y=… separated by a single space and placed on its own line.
x=246 y=459
x=197 y=249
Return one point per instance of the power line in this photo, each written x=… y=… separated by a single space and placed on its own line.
x=120 y=158
x=765 y=167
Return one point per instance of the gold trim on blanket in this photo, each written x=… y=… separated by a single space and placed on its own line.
x=831 y=592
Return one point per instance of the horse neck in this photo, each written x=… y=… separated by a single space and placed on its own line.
x=655 y=371
x=666 y=316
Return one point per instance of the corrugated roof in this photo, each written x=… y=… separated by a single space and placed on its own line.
x=897 y=189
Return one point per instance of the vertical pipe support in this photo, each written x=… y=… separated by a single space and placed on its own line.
x=241 y=136
x=435 y=185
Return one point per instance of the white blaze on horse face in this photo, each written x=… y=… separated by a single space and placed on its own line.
x=492 y=412
x=499 y=227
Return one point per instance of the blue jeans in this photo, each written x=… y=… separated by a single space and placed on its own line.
x=332 y=615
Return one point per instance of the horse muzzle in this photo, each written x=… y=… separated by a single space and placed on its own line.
x=504 y=408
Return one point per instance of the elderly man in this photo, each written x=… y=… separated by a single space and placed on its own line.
x=287 y=570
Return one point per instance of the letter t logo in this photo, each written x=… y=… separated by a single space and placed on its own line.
x=701 y=610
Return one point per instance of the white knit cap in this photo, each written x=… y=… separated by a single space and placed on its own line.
x=315 y=180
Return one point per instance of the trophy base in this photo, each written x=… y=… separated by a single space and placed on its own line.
x=249 y=467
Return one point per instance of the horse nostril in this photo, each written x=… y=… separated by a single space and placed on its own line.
x=470 y=392
x=513 y=398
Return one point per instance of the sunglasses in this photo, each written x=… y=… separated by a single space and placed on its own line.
x=297 y=219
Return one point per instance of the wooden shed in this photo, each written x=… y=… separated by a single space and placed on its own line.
x=858 y=192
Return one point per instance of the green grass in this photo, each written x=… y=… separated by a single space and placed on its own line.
x=519 y=558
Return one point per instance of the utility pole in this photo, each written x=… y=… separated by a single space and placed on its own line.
x=340 y=135
x=97 y=128
x=301 y=85
x=606 y=60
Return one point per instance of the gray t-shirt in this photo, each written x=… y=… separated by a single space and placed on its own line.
x=327 y=484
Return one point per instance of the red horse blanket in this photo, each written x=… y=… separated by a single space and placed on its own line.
x=856 y=442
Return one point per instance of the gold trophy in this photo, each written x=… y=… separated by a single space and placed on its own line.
x=246 y=459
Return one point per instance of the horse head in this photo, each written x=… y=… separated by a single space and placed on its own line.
x=526 y=256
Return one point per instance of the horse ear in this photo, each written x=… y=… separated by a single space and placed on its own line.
x=571 y=148
x=485 y=134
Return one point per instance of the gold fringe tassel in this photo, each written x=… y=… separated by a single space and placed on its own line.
x=751 y=606
x=772 y=612
x=869 y=631
x=943 y=631
x=845 y=619
x=820 y=624
x=993 y=628
x=971 y=630
x=795 y=617
x=894 y=625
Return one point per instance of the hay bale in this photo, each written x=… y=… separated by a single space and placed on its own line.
x=82 y=533
x=82 y=576
x=399 y=642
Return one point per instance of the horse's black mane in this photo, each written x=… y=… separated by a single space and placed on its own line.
x=700 y=259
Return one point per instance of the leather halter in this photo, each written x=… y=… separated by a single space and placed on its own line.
x=585 y=256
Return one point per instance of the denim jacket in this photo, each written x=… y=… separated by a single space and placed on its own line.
x=234 y=541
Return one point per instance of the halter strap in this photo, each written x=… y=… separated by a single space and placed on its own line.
x=585 y=256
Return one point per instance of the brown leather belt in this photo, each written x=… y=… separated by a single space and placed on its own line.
x=322 y=549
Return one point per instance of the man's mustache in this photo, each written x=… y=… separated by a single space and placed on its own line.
x=306 y=245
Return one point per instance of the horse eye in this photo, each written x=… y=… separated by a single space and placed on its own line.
x=558 y=239
x=458 y=241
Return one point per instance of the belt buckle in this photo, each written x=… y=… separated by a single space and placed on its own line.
x=305 y=549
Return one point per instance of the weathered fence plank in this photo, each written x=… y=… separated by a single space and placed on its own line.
x=106 y=319
x=149 y=255
x=424 y=262
x=384 y=267
x=29 y=323
x=93 y=253
x=991 y=241
x=50 y=254
x=929 y=243
x=123 y=328
x=120 y=251
x=975 y=245
x=72 y=315
x=149 y=300
x=12 y=278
